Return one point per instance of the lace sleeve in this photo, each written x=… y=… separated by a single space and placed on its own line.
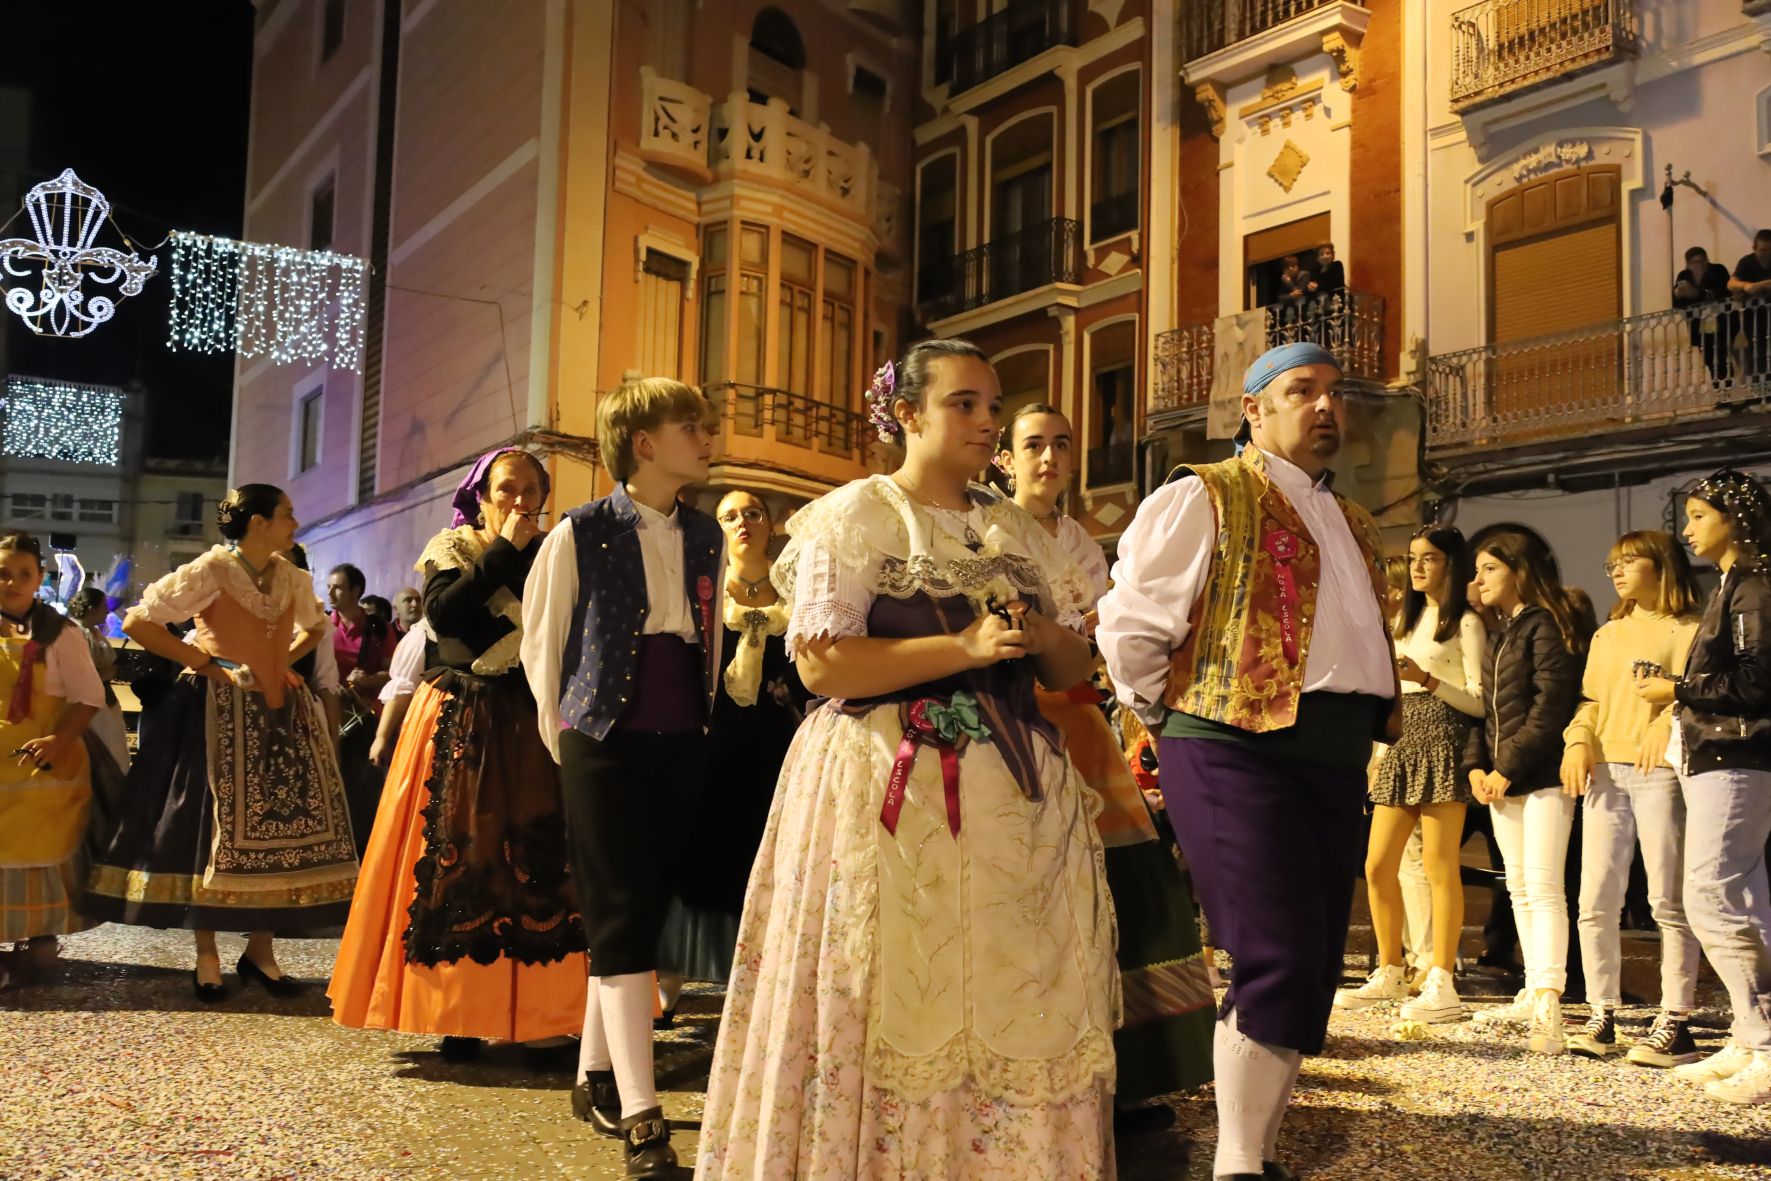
x=831 y=598
x=178 y=596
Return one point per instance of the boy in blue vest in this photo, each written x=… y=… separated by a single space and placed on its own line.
x=620 y=643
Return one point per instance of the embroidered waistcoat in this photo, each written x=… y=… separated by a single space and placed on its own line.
x=602 y=652
x=1234 y=667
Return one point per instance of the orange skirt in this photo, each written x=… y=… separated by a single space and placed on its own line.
x=373 y=984
x=1124 y=818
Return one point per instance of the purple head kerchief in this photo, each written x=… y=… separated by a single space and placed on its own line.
x=467 y=493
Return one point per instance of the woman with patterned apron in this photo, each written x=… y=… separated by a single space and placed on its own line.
x=924 y=983
x=50 y=692
x=1165 y=1043
x=465 y=924
x=234 y=814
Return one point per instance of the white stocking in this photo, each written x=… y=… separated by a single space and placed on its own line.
x=1253 y=1086
x=593 y=1050
x=627 y=1021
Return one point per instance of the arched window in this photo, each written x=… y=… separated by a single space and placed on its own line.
x=777 y=59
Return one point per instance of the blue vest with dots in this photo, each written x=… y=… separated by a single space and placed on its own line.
x=601 y=658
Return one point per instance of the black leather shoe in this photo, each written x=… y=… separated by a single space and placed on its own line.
x=1143 y=1119
x=1274 y=1171
x=281 y=986
x=649 y=1155
x=667 y=1020
x=596 y=1101
x=209 y=994
x=460 y=1049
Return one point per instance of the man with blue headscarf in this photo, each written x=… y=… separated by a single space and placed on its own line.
x=1246 y=626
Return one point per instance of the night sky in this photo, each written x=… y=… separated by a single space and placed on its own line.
x=152 y=109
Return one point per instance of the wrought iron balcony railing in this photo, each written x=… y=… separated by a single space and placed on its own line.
x=1210 y=25
x=1500 y=47
x=1641 y=371
x=789 y=419
x=1048 y=252
x=1113 y=215
x=1350 y=324
x=1003 y=40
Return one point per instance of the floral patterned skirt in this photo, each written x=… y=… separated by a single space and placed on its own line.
x=921 y=1005
x=1422 y=768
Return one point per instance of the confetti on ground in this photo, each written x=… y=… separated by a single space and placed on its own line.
x=113 y=1070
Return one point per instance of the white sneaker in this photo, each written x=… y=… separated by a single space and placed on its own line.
x=1516 y=1012
x=1547 y=1034
x=1438 y=1001
x=1388 y=983
x=1727 y=1062
x=1749 y=1085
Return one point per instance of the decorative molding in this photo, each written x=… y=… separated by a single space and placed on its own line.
x=1565 y=153
x=1346 y=56
x=1107 y=10
x=665 y=242
x=1288 y=165
x=1211 y=97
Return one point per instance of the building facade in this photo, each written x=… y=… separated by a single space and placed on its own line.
x=559 y=194
x=1576 y=151
x=1280 y=131
x=1032 y=144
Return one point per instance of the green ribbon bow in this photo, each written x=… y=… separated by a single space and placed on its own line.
x=958 y=716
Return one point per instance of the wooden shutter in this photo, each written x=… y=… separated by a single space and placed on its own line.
x=1555 y=267
x=662 y=285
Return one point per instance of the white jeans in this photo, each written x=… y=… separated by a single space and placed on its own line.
x=1417 y=903
x=1532 y=832
x=1727 y=819
x=1623 y=806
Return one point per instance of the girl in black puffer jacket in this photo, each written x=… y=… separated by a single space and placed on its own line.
x=1721 y=749
x=1514 y=765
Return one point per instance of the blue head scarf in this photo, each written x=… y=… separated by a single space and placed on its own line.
x=1272 y=363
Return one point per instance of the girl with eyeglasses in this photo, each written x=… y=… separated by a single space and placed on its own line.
x=1615 y=757
x=1439 y=654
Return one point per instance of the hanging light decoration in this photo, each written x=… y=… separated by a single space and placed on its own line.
x=61 y=420
x=259 y=299
x=66 y=215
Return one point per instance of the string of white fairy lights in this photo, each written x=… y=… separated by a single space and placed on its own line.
x=260 y=299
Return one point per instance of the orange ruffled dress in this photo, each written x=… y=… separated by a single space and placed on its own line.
x=498 y=785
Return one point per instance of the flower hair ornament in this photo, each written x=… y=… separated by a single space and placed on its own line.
x=880 y=396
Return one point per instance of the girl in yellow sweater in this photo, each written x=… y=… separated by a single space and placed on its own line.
x=1616 y=756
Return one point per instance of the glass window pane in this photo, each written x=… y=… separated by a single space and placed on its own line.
x=839 y=277
x=713 y=330
x=753 y=245
x=750 y=328
x=713 y=248
x=797 y=259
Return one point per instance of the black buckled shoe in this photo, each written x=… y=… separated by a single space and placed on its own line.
x=279 y=986
x=596 y=1101
x=649 y=1154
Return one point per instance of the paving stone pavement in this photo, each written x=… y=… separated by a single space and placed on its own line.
x=112 y=1070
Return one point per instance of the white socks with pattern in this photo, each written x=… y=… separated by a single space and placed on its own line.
x=1254 y=1082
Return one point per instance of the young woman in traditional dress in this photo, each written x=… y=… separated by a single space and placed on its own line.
x=51 y=693
x=234 y=814
x=757 y=709
x=924 y=983
x=465 y=925
x=1165 y=1043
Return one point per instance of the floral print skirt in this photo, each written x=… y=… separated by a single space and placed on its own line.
x=924 y=1004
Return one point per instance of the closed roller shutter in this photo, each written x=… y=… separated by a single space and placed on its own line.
x=1555 y=268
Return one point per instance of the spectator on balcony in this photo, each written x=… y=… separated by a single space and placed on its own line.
x=1331 y=274
x=1752 y=281
x=1327 y=290
x=1700 y=288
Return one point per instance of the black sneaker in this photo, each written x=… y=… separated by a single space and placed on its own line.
x=1668 y=1044
x=1598 y=1037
